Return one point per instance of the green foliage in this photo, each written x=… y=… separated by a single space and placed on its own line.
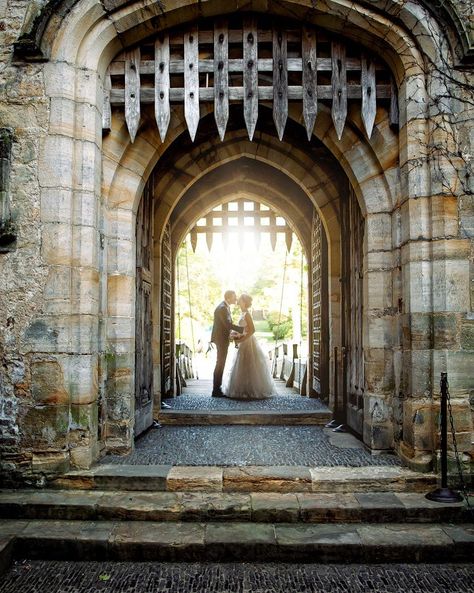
x=281 y=325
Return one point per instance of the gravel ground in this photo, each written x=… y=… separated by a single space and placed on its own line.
x=153 y=577
x=246 y=445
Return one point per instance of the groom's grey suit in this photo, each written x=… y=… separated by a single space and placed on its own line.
x=220 y=336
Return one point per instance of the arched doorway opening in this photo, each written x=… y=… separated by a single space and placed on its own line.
x=246 y=245
x=308 y=188
x=336 y=164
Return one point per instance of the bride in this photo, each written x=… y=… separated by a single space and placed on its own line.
x=248 y=375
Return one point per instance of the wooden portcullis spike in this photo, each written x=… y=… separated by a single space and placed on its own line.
x=310 y=79
x=369 y=94
x=162 y=85
x=132 y=91
x=339 y=87
x=191 y=80
x=250 y=74
x=280 y=80
x=221 y=76
x=193 y=237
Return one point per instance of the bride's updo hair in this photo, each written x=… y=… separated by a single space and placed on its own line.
x=246 y=300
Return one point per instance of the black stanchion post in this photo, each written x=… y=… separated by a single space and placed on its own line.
x=444 y=494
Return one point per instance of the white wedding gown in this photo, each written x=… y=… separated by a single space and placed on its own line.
x=247 y=375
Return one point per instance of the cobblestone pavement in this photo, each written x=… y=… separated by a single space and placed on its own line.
x=246 y=445
x=288 y=403
x=148 y=577
x=197 y=396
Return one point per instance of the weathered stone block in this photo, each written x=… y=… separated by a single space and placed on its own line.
x=446 y=330
x=419 y=421
x=417 y=331
x=84 y=420
x=379 y=375
x=121 y=295
x=195 y=478
x=467 y=334
x=81 y=372
x=451 y=285
x=56 y=244
x=44 y=428
x=444 y=214
x=379 y=231
x=56 y=205
x=50 y=462
x=378 y=437
x=84 y=457
x=416 y=373
x=378 y=290
x=415 y=220
x=85 y=290
x=47 y=382
x=85 y=247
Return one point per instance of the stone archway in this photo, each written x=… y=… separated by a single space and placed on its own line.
x=88 y=189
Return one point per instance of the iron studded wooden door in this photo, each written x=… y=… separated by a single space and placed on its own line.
x=167 y=358
x=353 y=226
x=319 y=309
x=143 y=323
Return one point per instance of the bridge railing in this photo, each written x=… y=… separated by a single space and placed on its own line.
x=184 y=365
x=289 y=366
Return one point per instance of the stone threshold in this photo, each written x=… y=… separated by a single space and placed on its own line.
x=249 y=418
x=138 y=541
x=257 y=507
x=246 y=479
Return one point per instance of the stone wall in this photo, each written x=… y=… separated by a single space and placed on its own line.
x=66 y=291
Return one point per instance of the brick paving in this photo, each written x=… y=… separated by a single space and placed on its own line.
x=246 y=445
x=153 y=577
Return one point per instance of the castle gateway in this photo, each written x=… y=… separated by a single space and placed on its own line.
x=124 y=122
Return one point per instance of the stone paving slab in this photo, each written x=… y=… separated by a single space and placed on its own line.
x=195 y=478
x=247 y=479
x=128 y=577
x=238 y=446
x=124 y=540
x=360 y=479
x=226 y=417
x=261 y=507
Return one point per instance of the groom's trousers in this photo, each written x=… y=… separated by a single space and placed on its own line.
x=219 y=369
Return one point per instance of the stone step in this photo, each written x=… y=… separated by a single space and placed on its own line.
x=158 y=541
x=374 y=507
x=158 y=478
x=221 y=417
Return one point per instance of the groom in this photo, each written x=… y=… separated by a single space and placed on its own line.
x=220 y=336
